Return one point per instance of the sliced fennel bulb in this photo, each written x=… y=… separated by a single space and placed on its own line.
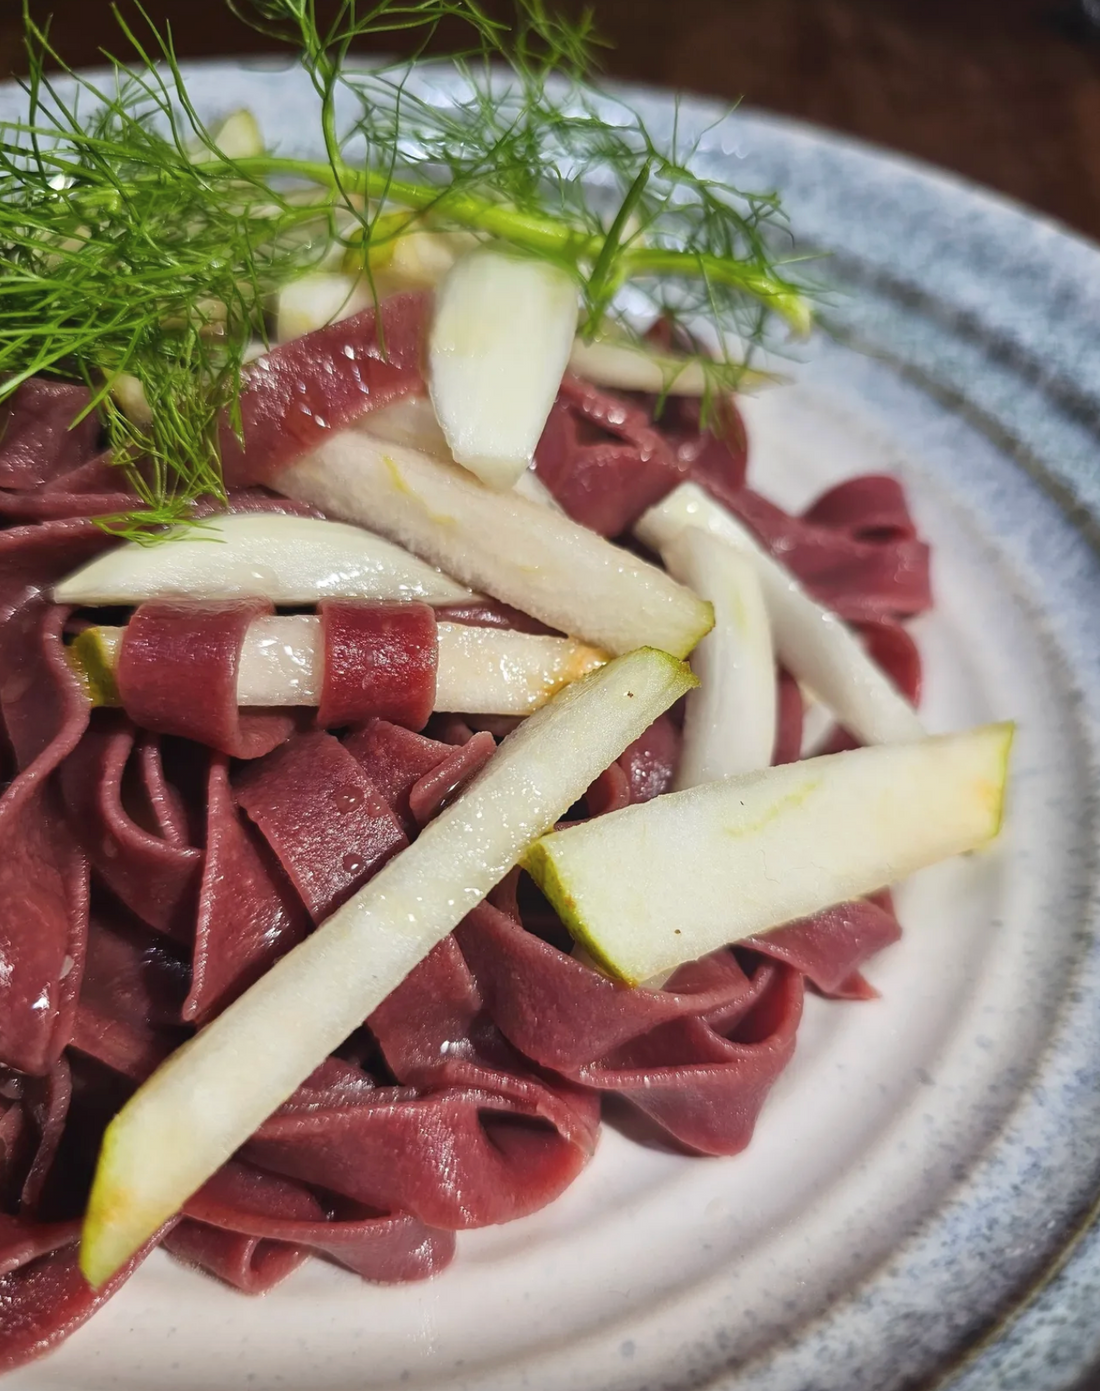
x=811 y=642
x=499 y=343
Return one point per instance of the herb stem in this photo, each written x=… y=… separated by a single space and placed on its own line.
x=541 y=235
x=606 y=276
x=546 y=235
x=775 y=292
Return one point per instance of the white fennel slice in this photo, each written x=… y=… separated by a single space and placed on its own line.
x=481 y=671
x=208 y=1098
x=730 y=720
x=289 y=560
x=651 y=886
x=536 y=559
x=498 y=347
x=625 y=366
x=812 y=643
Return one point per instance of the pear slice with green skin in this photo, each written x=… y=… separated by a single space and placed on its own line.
x=730 y=721
x=480 y=671
x=209 y=1097
x=532 y=557
x=497 y=350
x=289 y=560
x=649 y=887
x=93 y=657
x=811 y=641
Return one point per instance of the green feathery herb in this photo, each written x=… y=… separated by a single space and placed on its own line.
x=133 y=247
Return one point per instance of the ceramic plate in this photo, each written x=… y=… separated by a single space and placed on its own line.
x=915 y=1208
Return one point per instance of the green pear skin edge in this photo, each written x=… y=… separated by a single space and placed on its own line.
x=1009 y=729
x=211 y=1094
x=540 y=865
x=94 y=667
x=539 y=862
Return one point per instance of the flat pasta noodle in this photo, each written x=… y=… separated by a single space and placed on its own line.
x=177 y=849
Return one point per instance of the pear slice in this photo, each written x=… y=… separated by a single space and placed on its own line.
x=206 y=1100
x=129 y=396
x=412 y=422
x=498 y=348
x=481 y=671
x=531 y=486
x=317 y=299
x=649 y=887
x=730 y=721
x=289 y=560
x=403 y=256
x=486 y=671
x=237 y=136
x=812 y=642
x=532 y=557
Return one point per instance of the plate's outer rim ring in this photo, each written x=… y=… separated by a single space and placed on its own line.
x=1084 y=1234
x=1066 y=348
x=1037 y=238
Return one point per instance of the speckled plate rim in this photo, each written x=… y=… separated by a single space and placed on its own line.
x=907 y=272
x=1023 y=292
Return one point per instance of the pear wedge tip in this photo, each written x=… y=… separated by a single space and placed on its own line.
x=94 y=666
x=108 y=1238
x=696 y=636
x=682 y=675
x=745 y=854
x=540 y=865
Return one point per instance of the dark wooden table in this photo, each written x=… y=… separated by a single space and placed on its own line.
x=1006 y=92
